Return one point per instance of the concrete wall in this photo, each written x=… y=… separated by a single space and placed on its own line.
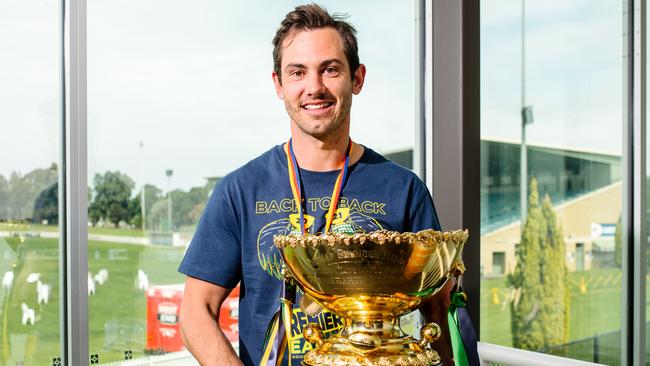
x=575 y=218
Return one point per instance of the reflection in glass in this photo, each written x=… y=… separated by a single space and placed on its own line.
x=556 y=288
x=29 y=232
x=177 y=98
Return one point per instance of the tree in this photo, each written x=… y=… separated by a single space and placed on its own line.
x=618 y=235
x=19 y=193
x=158 y=211
x=185 y=202
x=46 y=206
x=4 y=198
x=555 y=312
x=199 y=197
x=112 y=195
x=196 y=212
x=22 y=191
x=151 y=195
x=540 y=317
x=181 y=206
x=135 y=212
x=618 y=248
x=94 y=213
x=527 y=331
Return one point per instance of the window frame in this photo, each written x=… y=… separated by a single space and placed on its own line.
x=454 y=132
x=73 y=177
x=448 y=106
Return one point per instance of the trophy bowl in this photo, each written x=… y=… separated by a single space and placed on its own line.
x=370 y=280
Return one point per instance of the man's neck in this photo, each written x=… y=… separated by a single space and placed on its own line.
x=323 y=155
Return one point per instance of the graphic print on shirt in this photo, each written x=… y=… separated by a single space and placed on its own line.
x=347 y=220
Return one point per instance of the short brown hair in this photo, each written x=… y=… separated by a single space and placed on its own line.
x=310 y=17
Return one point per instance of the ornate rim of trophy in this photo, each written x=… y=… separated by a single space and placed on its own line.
x=370 y=280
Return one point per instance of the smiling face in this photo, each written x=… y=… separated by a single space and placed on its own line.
x=316 y=83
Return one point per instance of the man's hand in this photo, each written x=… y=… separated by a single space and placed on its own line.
x=435 y=310
x=199 y=323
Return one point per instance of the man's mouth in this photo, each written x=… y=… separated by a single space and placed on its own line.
x=316 y=106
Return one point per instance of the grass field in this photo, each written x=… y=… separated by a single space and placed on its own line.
x=53 y=228
x=595 y=306
x=118 y=309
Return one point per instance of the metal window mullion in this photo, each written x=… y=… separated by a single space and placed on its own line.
x=455 y=151
x=638 y=176
x=634 y=195
x=420 y=104
x=428 y=96
x=74 y=235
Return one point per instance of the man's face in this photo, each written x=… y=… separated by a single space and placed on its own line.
x=315 y=82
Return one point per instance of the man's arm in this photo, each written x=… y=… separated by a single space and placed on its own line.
x=199 y=323
x=435 y=310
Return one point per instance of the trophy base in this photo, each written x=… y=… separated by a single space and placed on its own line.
x=426 y=358
x=368 y=344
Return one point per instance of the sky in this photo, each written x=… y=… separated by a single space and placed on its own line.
x=192 y=83
x=187 y=85
x=574 y=72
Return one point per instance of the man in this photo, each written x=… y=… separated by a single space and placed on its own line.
x=316 y=73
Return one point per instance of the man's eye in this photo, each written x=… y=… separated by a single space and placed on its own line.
x=296 y=73
x=331 y=70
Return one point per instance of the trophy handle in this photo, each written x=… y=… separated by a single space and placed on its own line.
x=429 y=333
x=313 y=334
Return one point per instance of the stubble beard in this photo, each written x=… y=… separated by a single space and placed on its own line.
x=324 y=129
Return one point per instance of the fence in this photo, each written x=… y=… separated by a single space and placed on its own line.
x=182 y=358
x=120 y=335
x=602 y=348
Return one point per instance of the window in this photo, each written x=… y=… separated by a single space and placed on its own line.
x=498 y=263
x=177 y=98
x=553 y=70
x=29 y=183
x=154 y=68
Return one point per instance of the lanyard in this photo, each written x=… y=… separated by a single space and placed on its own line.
x=279 y=330
x=294 y=180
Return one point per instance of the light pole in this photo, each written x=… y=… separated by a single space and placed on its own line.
x=169 y=174
x=526 y=118
x=143 y=204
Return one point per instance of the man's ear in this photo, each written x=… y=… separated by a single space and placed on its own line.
x=278 y=85
x=359 y=77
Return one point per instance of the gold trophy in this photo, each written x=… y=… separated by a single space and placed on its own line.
x=371 y=280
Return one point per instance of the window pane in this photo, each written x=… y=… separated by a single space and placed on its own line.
x=178 y=96
x=647 y=218
x=29 y=145
x=556 y=288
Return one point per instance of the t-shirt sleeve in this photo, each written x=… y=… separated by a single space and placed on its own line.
x=214 y=254
x=423 y=212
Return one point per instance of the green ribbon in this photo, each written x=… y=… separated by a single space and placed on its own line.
x=458 y=299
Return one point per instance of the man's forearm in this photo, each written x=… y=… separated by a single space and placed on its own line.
x=443 y=346
x=205 y=340
x=435 y=310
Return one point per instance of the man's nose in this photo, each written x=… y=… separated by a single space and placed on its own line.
x=315 y=84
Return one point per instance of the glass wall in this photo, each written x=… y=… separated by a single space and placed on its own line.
x=552 y=79
x=646 y=44
x=180 y=94
x=29 y=146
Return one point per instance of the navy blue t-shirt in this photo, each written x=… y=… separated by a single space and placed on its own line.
x=233 y=242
